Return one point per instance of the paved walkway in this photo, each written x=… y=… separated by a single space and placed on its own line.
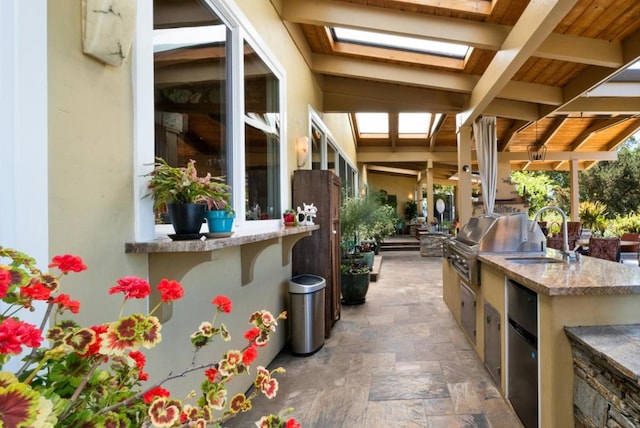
x=398 y=360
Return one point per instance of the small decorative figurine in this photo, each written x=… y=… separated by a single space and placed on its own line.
x=306 y=214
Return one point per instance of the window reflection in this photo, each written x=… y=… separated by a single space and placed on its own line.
x=262 y=138
x=190 y=78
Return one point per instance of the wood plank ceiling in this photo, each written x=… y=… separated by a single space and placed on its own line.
x=552 y=72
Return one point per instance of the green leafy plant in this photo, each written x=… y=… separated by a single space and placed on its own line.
x=593 y=216
x=410 y=211
x=94 y=376
x=169 y=184
x=354 y=265
x=365 y=218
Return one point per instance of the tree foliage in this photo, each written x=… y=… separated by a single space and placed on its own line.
x=614 y=183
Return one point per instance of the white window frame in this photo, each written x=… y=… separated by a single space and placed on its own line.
x=23 y=90
x=328 y=139
x=242 y=30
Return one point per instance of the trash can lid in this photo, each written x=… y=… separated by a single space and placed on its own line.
x=307 y=283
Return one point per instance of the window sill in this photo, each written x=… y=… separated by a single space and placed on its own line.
x=251 y=244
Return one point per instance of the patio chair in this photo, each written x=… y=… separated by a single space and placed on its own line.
x=629 y=251
x=605 y=248
x=631 y=236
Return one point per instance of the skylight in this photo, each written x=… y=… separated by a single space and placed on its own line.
x=417 y=125
x=410 y=125
x=373 y=124
x=389 y=41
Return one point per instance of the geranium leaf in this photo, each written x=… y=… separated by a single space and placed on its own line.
x=18 y=405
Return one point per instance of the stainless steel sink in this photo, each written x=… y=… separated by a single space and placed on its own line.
x=533 y=260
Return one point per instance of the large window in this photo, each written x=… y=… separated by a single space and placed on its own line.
x=217 y=99
x=262 y=138
x=325 y=154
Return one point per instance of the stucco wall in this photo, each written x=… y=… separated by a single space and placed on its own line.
x=91 y=200
x=90 y=164
x=402 y=187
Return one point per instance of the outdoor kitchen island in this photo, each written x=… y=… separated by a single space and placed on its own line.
x=589 y=292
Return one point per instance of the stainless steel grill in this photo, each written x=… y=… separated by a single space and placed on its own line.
x=492 y=233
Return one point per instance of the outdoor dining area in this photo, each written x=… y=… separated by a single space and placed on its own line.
x=622 y=249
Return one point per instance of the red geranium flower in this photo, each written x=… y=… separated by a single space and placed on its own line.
x=151 y=394
x=139 y=358
x=67 y=263
x=292 y=423
x=249 y=355
x=14 y=334
x=132 y=287
x=35 y=291
x=65 y=301
x=211 y=374
x=170 y=290
x=252 y=333
x=5 y=281
x=223 y=303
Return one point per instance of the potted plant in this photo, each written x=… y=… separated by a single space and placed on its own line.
x=289 y=217
x=354 y=280
x=219 y=213
x=366 y=248
x=185 y=195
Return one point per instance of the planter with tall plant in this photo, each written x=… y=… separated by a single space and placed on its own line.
x=364 y=221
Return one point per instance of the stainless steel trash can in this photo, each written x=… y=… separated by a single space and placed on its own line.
x=306 y=313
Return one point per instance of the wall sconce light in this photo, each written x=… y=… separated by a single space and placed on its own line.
x=410 y=196
x=466 y=168
x=302 y=151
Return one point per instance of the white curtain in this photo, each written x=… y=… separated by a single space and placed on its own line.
x=484 y=131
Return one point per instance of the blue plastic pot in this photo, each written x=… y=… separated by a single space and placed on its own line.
x=219 y=221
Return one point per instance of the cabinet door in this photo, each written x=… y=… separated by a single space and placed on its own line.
x=319 y=254
x=468 y=311
x=492 y=348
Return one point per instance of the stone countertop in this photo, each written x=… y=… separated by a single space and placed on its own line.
x=589 y=276
x=618 y=345
x=163 y=244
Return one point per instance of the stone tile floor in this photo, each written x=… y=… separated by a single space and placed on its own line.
x=398 y=360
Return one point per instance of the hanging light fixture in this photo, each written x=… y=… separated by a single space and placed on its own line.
x=536 y=151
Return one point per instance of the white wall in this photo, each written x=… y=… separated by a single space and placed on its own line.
x=23 y=120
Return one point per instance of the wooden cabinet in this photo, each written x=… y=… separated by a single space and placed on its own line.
x=319 y=254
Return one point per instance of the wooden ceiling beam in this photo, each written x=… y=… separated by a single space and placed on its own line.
x=418 y=154
x=342 y=94
x=594 y=76
x=510 y=135
x=602 y=105
x=393 y=130
x=434 y=79
x=350 y=15
x=584 y=50
x=481 y=7
x=599 y=125
x=357 y=68
x=534 y=25
x=452 y=30
x=391 y=170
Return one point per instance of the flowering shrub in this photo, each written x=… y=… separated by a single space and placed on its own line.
x=94 y=376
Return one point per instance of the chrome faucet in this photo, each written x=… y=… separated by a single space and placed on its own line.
x=567 y=254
